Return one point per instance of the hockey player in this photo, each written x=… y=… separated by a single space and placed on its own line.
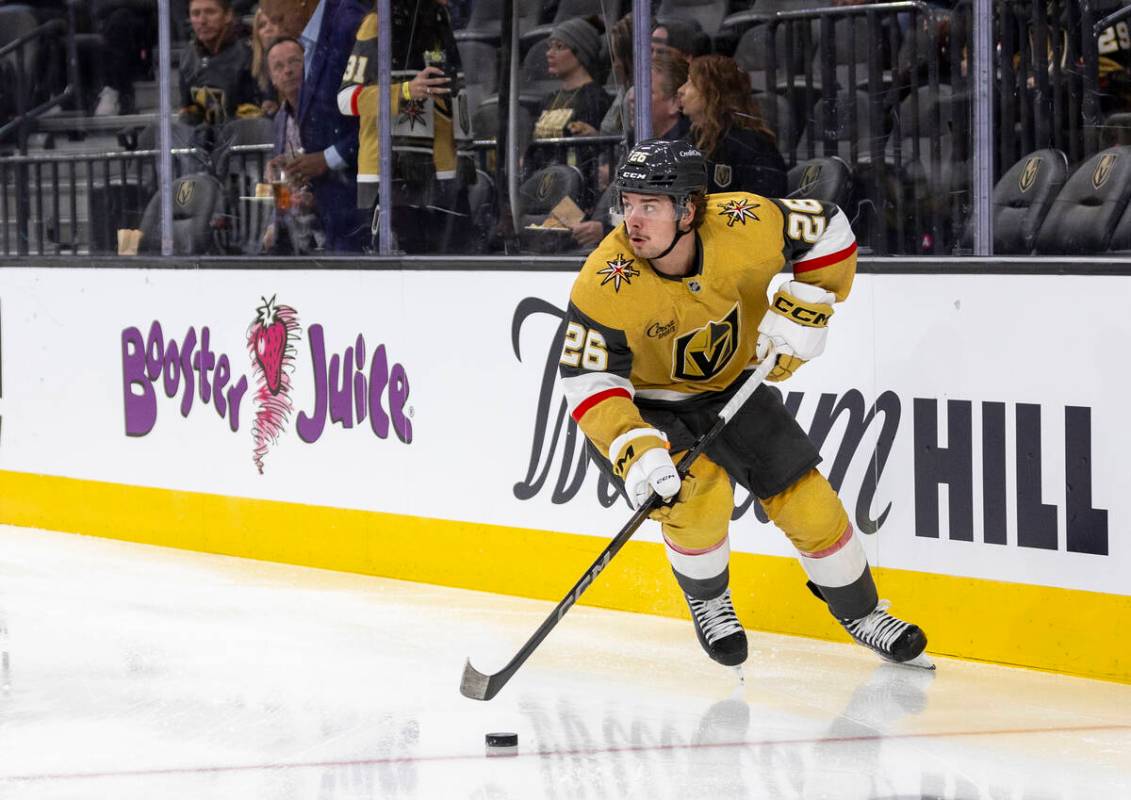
x=665 y=322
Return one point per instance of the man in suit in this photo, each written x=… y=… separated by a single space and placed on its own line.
x=326 y=29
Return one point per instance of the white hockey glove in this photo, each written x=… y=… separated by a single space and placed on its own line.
x=653 y=470
x=640 y=457
x=795 y=325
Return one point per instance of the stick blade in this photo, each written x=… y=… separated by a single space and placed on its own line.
x=475 y=684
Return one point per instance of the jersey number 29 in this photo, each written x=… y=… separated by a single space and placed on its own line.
x=584 y=348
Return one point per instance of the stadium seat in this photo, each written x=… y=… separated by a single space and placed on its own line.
x=15 y=21
x=753 y=53
x=197 y=200
x=708 y=13
x=1021 y=200
x=535 y=80
x=481 y=200
x=826 y=179
x=849 y=123
x=480 y=65
x=568 y=9
x=239 y=173
x=236 y=132
x=537 y=197
x=488 y=116
x=486 y=21
x=1084 y=215
x=183 y=136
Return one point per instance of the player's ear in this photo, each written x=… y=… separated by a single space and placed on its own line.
x=687 y=215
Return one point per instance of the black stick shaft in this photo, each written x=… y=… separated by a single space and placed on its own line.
x=478 y=686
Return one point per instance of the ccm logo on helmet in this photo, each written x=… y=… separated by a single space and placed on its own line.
x=802 y=314
x=639 y=175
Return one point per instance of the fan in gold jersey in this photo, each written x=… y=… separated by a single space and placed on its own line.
x=665 y=322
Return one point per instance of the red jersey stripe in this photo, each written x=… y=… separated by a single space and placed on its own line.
x=593 y=400
x=353 y=100
x=824 y=261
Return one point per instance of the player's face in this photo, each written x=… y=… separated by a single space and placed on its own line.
x=650 y=222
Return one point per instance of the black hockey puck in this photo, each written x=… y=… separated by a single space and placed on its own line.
x=502 y=740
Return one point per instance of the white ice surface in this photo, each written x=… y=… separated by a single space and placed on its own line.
x=141 y=672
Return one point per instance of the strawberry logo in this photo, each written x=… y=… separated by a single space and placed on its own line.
x=269 y=343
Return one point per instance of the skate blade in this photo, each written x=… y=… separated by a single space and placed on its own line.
x=921 y=661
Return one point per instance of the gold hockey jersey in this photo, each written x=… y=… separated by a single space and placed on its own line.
x=632 y=332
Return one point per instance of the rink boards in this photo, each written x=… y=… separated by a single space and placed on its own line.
x=408 y=424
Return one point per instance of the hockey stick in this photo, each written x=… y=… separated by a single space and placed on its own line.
x=478 y=686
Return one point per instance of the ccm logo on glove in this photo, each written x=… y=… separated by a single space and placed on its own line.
x=816 y=316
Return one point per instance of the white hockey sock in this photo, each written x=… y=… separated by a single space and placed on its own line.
x=838 y=565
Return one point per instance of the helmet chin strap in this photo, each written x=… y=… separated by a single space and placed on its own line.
x=675 y=240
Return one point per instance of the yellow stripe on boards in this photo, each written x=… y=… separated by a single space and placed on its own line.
x=1040 y=627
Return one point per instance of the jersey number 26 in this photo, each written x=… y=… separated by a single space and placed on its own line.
x=584 y=348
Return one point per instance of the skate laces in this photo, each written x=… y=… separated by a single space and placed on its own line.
x=878 y=629
x=716 y=617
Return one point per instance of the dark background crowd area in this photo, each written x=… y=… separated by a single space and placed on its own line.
x=866 y=106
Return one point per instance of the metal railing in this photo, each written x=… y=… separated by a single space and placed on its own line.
x=885 y=87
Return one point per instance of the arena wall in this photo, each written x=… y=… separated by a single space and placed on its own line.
x=973 y=419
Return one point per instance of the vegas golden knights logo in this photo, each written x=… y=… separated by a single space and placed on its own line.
x=705 y=352
x=546 y=185
x=809 y=177
x=1029 y=175
x=464 y=112
x=1103 y=170
x=723 y=175
x=184 y=193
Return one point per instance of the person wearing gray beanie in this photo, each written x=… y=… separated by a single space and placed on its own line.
x=583 y=39
x=576 y=108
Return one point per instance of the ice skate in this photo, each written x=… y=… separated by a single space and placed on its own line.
x=718 y=629
x=890 y=638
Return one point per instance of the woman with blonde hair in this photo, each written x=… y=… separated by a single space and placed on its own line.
x=264 y=31
x=727 y=126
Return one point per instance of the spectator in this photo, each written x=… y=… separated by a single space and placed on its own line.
x=430 y=181
x=618 y=119
x=679 y=38
x=329 y=140
x=264 y=31
x=668 y=74
x=294 y=202
x=727 y=126
x=574 y=58
x=129 y=33
x=216 y=80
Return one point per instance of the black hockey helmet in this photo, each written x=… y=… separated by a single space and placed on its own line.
x=657 y=166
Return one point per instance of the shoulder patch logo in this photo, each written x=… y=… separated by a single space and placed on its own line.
x=723 y=175
x=704 y=352
x=738 y=211
x=618 y=270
